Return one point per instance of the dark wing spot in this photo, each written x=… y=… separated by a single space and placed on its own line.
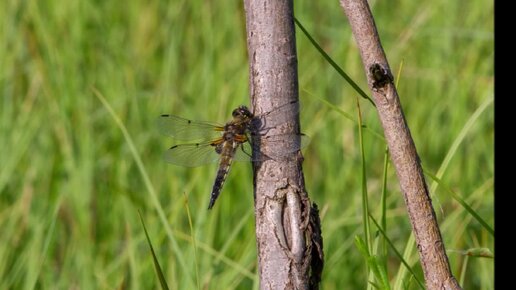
x=165 y=115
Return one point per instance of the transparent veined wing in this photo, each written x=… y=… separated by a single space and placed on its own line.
x=187 y=130
x=283 y=144
x=279 y=116
x=192 y=155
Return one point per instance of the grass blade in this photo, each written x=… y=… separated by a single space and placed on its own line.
x=458 y=140
x=159 y=272
x=462 y=202
x=192 y=234
x=397 y=253
x=146 y=179
x=333 y=63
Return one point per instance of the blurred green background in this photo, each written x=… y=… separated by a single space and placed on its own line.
x=71 y=187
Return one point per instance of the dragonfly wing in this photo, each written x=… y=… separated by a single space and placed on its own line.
x=192 y=155
x=187 y=130
x=279 y=115
x=284 y=142
x=282 y=146
x=243 y=152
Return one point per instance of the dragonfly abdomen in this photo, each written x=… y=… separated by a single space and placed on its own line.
x=226 y=158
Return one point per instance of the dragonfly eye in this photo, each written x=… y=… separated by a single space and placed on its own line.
x=242 y=111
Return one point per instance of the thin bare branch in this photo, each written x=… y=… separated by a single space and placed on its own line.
x=404 y=156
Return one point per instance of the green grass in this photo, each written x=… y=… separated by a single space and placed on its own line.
x=72 y=181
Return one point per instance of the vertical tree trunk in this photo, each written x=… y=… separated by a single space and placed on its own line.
x=404 y=156
x=284 y=229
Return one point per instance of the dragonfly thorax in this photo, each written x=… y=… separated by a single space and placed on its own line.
x=237 y=127
x=229 y=135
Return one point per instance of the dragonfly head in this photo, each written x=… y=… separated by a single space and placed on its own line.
x=242 y=112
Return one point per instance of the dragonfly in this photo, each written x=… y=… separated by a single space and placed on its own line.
x=208 y=142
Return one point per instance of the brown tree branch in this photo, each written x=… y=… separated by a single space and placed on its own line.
x=432 y=253
x=284 y=220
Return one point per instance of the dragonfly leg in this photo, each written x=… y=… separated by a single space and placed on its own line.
x=245 y=152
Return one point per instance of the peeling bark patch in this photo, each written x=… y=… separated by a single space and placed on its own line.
x=380 y=76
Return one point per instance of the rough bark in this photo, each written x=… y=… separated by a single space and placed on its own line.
x=287 y=230
x=404 y=156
